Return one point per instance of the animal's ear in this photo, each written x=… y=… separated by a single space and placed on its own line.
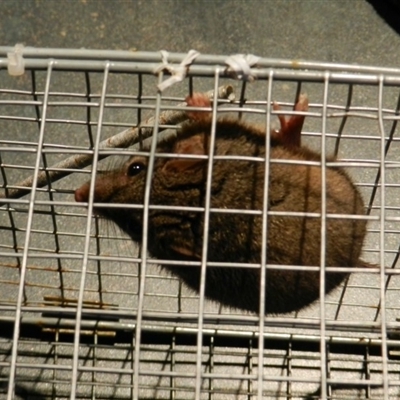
x=194 y=145
x=290 y=133
x=199 y=100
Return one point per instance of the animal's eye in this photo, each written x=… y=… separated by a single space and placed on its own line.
x=135 y=168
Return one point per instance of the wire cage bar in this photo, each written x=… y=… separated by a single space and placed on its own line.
x=87 y=313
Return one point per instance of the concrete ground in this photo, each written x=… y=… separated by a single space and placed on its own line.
x=335 y=30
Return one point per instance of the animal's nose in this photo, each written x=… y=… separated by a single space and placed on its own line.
x=81 y=194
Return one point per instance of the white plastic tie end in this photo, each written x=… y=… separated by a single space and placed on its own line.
x=16 y=62
x=239 y=65
x=178 y=72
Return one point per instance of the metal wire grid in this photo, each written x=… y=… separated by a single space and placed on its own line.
x=76 y=330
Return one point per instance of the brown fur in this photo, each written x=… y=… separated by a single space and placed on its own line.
x=238 y=184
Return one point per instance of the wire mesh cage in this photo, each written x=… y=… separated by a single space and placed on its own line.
x=88 y=313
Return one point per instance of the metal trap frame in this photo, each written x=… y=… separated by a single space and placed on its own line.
x=79 y=316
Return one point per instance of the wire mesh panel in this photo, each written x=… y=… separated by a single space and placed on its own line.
x=88 y=311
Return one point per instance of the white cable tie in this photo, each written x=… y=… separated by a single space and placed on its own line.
x=16 y=63
x=240 y=65
x=178 y=73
